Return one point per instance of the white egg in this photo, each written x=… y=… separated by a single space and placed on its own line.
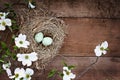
x=39 y=37
x=47 y=41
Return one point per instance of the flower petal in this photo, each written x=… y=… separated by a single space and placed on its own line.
x=33 y=56
x=97 y=51
x=104 y=44
x=8 y=22
x=8 y=71
x=2 y=28
x=29 y=71
x=30 y=5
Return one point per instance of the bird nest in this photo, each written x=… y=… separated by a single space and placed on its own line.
x=41 y=20
x=50 y=27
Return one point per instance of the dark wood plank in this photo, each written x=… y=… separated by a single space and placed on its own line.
x=85 y=8
x=105 y=69
x=84 y=34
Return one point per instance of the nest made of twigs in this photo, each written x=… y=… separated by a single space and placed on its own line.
x=49 y=26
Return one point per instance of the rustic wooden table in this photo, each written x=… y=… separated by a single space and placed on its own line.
x=89 y=23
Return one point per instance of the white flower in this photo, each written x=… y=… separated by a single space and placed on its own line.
x=67 y=74
x=28 y=73
x=30 y=5
x=27 y=59
x=20 y=41
x=6 y=67
x=101 y=48
x=3 y=15
x=18 y=74
x=5 y=22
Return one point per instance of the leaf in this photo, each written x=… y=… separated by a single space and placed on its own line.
x=3 y=45
x=1 y=61
x=52 y=73
x=64 y=63
x=60 y=74
x=13 y=55
x=15 y=48
x=71 y=67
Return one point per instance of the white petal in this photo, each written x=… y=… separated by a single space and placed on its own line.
x=11 y=77
x=98 y=51
x=104 y=52
x=8 y=71
x=8 y=22
x=30 y=5
x=104 y=44
x=2 y=28
x=65 y=77
x=27 y=62
x=22 y=37
x=72 y=76
x=20 y=57
x=33 y=56
x=29 y=71
x=65 y=68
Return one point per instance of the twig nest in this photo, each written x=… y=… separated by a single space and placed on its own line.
x=46 y=35
x=47 y=41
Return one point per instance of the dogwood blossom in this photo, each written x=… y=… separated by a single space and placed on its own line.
x=30 y=5
x=6 y=67
x=101 y=49
x=67 y=74
x=28 y=73
x=3 y=15
x=5 y=22
x=21 y=41
x=18 y=74
x=27 y=59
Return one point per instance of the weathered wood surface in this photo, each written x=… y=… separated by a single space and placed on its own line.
x=85 y=8
x=80 y=8
x=105 y=69
x=85 y=34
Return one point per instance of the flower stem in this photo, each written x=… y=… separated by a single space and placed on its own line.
x=87 y=69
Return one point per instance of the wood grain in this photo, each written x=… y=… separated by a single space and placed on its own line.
x=85 y=34
x=105 y=69
x=85 y=8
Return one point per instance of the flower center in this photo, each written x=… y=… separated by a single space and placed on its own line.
x=16 y=75
x=27 y=75
x=102 y=48
x=26 y=57
x=3 y=23
x=21 y=42
x=67 y=72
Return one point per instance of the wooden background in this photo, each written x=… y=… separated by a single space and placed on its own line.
x=89 y=23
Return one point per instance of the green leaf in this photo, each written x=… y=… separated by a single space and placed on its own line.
x=71 y=67
x=60 y=74
x=8 y=52
x=1 y=61
x=64 y=63
x=15 y=48
x=52 y=73
x=13 y=55
x=3 y=45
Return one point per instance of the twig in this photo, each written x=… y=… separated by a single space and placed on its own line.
x=86 y=70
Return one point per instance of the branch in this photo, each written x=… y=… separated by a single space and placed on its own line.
x=86 y=70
